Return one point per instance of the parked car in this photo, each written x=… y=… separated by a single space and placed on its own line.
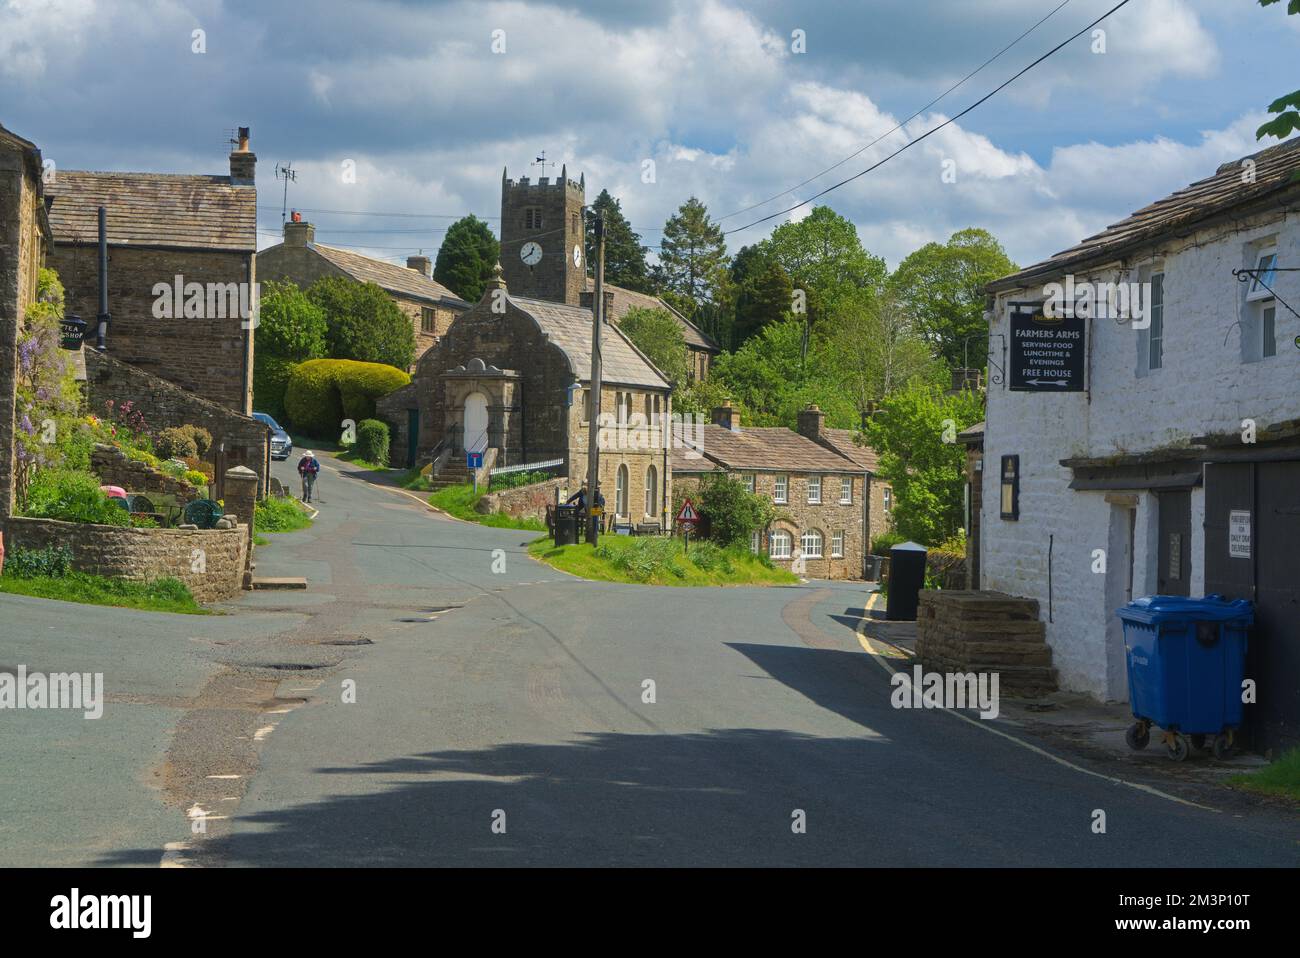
x=281 y=444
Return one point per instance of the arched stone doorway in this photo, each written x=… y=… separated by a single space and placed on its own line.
x=475 y=422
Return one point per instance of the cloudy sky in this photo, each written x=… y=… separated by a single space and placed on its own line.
x=715 y=92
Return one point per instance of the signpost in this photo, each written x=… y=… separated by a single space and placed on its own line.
x=687 y=517
x=473 y=463
x=1047 y=355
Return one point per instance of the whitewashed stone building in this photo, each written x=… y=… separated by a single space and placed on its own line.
x=1172 y=464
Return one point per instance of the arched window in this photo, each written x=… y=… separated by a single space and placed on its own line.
x=810 y=544
x=651 y=491
x=778 y=544
x=620 y=492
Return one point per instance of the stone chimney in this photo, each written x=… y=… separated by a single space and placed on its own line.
x=298 y=232
x=243 y=162
x=966 y=379
x=727 y=416
x=421 y=264
x=812 y=423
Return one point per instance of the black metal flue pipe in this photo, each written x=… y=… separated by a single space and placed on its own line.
x=103 y=318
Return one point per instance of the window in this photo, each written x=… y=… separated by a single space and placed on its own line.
x=778 y=545
x=533 y=218
x=1010 y=487
x=1268 y=328
x=573 y=223
x=1156 y=334
x=780 y=487
x=846 y=491
x=620 y=492
x=887 y=497
x=748 y=480
x=810 y=544
x=1265 y=274
x=428 y=320
x=814 y=489
x=623 y=403
x=651 y=492
x=837 y=545
x=755 y=541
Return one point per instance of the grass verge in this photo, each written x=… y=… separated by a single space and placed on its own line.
x=1280 y=779
x=460 y=501
x=279 y=515
x=654 y=560
x=346 y=454
x=160 y=595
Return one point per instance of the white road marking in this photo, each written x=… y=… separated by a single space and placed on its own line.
x=174 y=855
x=263 y=732
x=225 y=776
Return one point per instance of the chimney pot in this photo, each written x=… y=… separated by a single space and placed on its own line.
x=421 y=264
x=812 y=422
x=727 y=416
x=299 y=233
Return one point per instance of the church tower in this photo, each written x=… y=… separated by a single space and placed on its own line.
x=543 y=238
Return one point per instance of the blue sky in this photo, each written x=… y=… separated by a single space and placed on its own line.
x=413 y=94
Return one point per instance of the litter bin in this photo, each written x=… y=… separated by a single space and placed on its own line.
x=1186 y=659
x=906 y=580
x=566 y=525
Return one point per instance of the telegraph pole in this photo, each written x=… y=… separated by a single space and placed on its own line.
x=593 y=435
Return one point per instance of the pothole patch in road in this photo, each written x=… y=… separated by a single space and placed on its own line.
x=345 y=641
x=287 y=666
x=428 y=615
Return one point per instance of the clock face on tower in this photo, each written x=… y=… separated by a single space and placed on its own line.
x=531 y=253
x=577 y=255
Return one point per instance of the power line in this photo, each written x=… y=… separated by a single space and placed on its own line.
x=911 y=143
x=902 y=123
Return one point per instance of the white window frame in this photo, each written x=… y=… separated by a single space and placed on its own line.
x=814 y=488
x=811 y=543
x=781 y=489
x=846 y=490
x=1155 y=338
x=1268 y=328
x=837 y=544
x=755 y=541
x=748 y=479
x=651 y=490
x=887 y=499
x=1258 y=291
x=779 y=536
x=622 y=507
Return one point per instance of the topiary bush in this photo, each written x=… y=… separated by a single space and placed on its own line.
x=372 y=441
x=323 y=392
x=271 y=376
x=72 y=497
x=175 y=443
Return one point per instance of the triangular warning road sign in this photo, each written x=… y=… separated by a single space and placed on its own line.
x=688 y=513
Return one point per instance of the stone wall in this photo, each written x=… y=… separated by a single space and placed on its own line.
x=525 y=501
x=966 y=631
x=209 y=561
x=211 y=358
x=115 y=469
x=247 y=442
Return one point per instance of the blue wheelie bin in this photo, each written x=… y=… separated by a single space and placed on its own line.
x=1186 y=659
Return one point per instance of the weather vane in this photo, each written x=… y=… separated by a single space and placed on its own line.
x=542 y=161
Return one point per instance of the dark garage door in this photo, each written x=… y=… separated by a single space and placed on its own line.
x=1252 y=551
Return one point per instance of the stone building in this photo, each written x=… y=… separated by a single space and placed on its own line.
x=511 y=377
x=1171 y=462
x=24 y=244
x=828 y=500
x=543 y=236
x=166 y=231
x=300 y=259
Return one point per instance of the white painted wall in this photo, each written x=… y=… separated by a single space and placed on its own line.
x=1204 y=387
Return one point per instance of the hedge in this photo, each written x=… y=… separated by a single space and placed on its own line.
x=270 y=380
x=372 y=441
x=324 y=392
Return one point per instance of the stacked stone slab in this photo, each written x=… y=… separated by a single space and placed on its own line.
x=980 y=631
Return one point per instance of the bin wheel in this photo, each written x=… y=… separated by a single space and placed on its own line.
x=1198 y=741
x=1178 y=746
x=1222 y=747
x=1137 y=736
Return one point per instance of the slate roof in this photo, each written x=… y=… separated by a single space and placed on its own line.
x=626 y=299
x=155 y=209
x=765 y=449
x=569 y=328
x=389 y=276
x=1275 y=170
x=864 y=456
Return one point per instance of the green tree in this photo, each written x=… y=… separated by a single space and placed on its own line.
x=734 y=512
x=942 y=286
x=915 y=435
x=875 y=349
x=1286 y=107
x=692 y=259
x=657 y=334
x=468 y=254
x=363 y=323
x=823 y=256
x=624 y=255
x=762 y=291
x=290 y=325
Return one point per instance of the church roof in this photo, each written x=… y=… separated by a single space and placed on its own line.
x=389 y=276
x=569 y=328
x=154 y=209
x=626 y=299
